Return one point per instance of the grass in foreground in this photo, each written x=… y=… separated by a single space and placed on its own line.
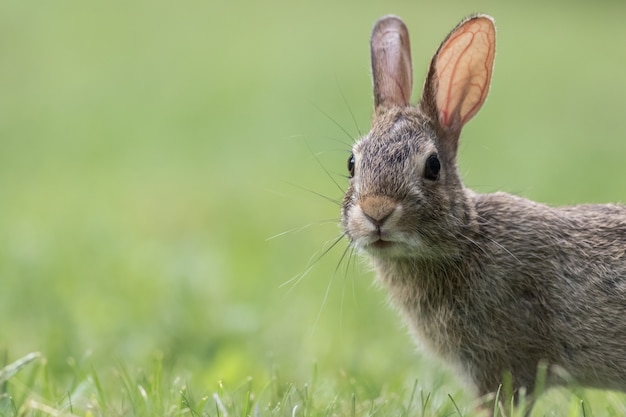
x=160 y=392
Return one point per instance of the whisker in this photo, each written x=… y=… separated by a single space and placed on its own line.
x=350 y=252
x=343 y=256
x=347 y=254
x=340 y=188
x=330 y=283
x=301 y=228
x=335 y=122
x=472 y=241
x=315 y=258
x=353 y=258
x=325 y=197
x=343 y=96
x=299 y=277
x=298 y=136
x=498 y=244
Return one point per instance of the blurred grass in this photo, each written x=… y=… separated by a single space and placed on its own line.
x=148 y=150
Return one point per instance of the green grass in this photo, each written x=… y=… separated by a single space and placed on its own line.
x=160 y=392
x=149 y=150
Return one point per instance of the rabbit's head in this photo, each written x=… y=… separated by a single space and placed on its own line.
x=405 y=197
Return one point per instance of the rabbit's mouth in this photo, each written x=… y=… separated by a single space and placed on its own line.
x=385 y=248
x=387 y=245
x=382 y=244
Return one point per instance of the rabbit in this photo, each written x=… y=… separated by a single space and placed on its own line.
x=495 y=285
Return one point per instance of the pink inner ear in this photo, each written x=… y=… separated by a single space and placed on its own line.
x=464 y=65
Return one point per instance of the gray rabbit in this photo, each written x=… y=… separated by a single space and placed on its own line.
x=493 y=284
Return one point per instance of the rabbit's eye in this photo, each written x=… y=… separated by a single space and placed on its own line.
x=432 y=168
x=351 y=165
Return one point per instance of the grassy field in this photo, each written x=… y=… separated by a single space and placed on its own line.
x=162 y=198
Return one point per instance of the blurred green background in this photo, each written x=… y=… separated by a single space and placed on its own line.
x=150 y=149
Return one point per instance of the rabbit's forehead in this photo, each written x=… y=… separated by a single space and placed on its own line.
x=400 y=143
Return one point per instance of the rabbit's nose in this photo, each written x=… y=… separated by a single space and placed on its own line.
x=377 y=209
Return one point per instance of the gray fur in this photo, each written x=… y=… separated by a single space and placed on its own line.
x=492 y=283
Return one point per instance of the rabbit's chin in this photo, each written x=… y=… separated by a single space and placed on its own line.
x=383 y=248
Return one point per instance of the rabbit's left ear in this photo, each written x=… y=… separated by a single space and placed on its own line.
x=460 y=73
x=391 y=63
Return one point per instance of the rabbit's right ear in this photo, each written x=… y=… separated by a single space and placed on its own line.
x=391 y=63
x=459 y=75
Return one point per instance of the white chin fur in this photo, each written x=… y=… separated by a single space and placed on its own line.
x=396 y=248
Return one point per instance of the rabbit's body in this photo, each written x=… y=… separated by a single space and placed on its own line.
x=495 y=305
x=493 y=283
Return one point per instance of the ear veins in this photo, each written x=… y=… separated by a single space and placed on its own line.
x=463 y=67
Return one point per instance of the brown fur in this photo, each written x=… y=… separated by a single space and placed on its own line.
x=493 y=283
